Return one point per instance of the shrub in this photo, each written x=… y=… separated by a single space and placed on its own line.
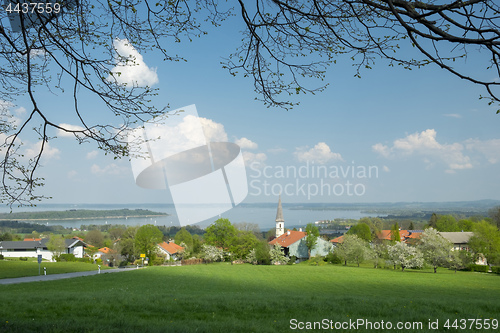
x=23 y=258
x=123 y=263
x=495 y=269
x=67 y=257
x=333 y=258
x=479 y=268
x=1 y=257
x=98 y=261
x=292 y=260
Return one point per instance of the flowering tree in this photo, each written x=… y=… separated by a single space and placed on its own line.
x=435 y=249
x=277 y=255
x=406 y=256
x=211 y=253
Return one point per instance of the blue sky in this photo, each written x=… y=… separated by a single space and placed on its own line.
x=425 y=133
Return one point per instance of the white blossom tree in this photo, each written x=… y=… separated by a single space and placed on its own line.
x=405 y=256
x=211 y=253
x=435 y=248
x=277 y=255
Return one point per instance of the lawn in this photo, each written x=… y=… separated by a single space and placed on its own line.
x=18 y=268
x=246 y=298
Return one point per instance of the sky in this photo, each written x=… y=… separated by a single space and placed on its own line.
x=392 y=135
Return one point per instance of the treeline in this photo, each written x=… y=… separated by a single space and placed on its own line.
x=9 y=228
x=79 y=214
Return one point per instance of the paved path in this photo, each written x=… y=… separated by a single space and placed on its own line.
x=61 y=276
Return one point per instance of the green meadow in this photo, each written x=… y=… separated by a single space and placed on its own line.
x=17 y=268
x=245 y=298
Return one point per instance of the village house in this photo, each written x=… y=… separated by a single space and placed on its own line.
x=32 y=248
x=170 y=250
x=294 y=242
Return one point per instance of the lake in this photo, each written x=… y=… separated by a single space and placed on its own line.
x=262 y=215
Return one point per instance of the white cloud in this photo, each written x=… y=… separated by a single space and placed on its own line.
x=453 y=115
x=69 y=127
x=49 y=152
x=250 y=158
x=245 y=143
x=93 y=154
x=276 y=150
x=489 y=148
x=111 y=169
x=321 y=154
x=214 y=132
x=425 y=144
x=131 y=68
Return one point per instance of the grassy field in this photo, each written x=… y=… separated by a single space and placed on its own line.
x=245 y=298
x=17 y=268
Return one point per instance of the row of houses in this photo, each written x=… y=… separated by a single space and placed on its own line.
x=294 y=242
x=31 y=248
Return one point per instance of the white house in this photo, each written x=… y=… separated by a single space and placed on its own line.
x=16 y=249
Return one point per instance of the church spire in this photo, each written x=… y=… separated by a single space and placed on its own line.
x=280 y=221
x=279 y=213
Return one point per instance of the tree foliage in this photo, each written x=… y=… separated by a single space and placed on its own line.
x=147 y=238
x=435 y=249
x=352 y=249
x=220 y=233
x=486 y=241
x=183 y=236
x=56 y=245
x=284 y=44
x=362 y=230
x=405 y=256
x=277 y=255
x=311 y=238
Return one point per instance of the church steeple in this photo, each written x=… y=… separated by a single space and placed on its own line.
x=280 y=221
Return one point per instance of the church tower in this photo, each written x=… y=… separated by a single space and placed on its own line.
x=280 y=222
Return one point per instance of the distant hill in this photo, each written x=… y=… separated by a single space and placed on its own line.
x=79 y=214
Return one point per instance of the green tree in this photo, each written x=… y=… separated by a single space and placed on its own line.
x=262 y=253
x=352 y=249
x=220 y=233
x=147 y=238
x=183 y=236
x=433 y=221
x=494 y=213
x=362 y=230
x=486 y=241
x=465 y=225
x=395 y=236
x=127 y=244
x=243 y=243
x=56 y=245
x=95 y=238
x=447 y=223
x=311 y=238
x=435 y=249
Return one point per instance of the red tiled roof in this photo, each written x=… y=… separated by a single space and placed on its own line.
x=32 y=239
x=171 y=247
x=288 y=238
x=404 y=235
x=338 y=240
x=105 y=250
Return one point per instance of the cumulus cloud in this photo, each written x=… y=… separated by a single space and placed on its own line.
x=130 y=68
x=49 y=152
x=425 y=144
x=258 y=158
x=245 y=143
x=321 y=153
x=69 y=127
x=490 y=149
